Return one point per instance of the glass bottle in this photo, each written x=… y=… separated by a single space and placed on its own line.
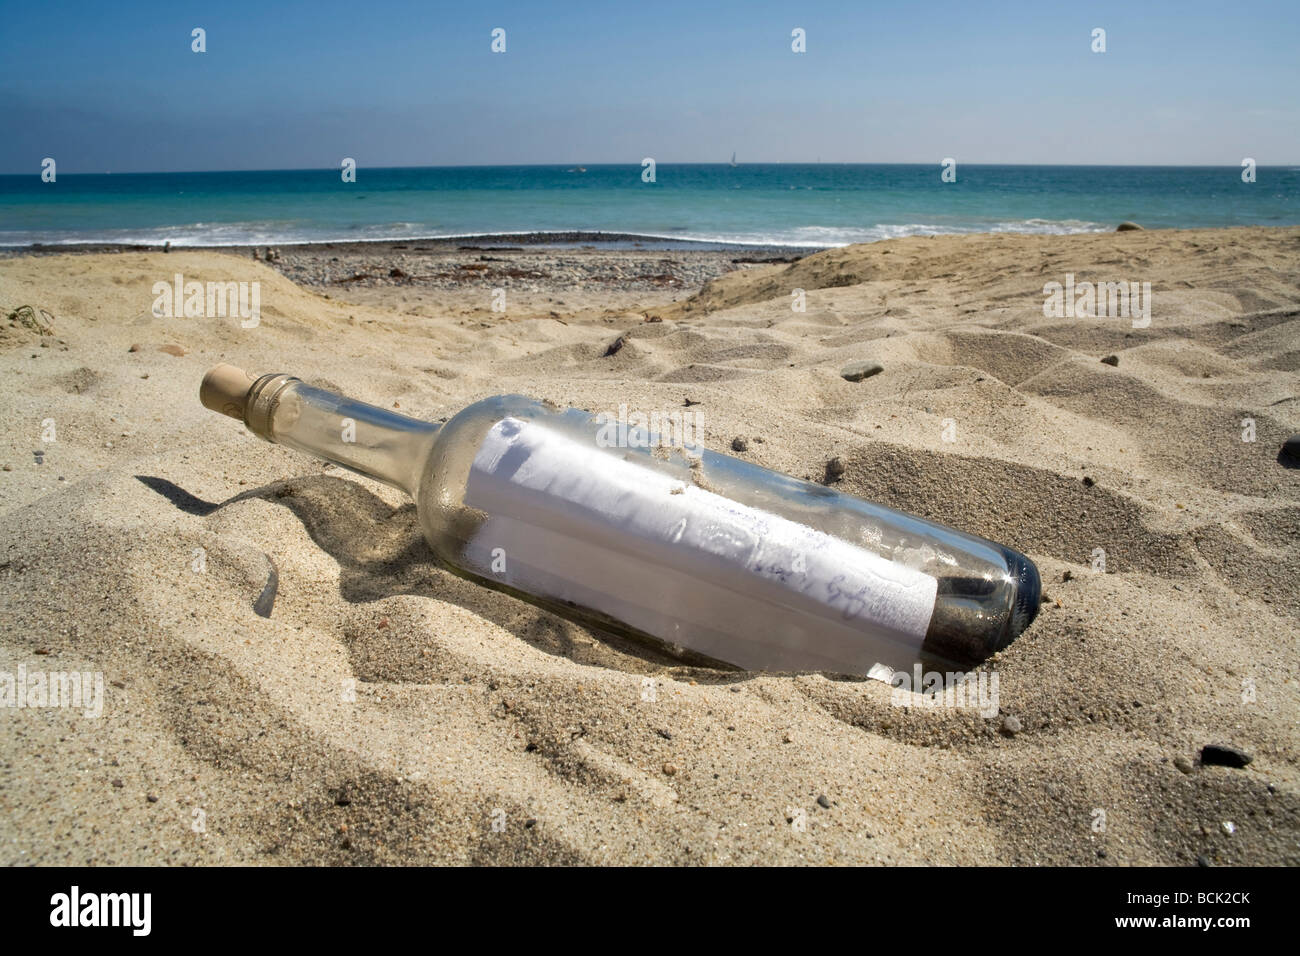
x=702 y=552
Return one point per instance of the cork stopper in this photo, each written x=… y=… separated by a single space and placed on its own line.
x=225 y=389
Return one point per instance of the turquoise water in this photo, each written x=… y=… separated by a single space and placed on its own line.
x=761 y=203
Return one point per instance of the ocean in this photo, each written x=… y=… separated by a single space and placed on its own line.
x=766 y=204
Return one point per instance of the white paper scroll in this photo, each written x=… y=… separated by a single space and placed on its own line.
x=576 y=523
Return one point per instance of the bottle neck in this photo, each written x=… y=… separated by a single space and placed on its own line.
x=363 y=438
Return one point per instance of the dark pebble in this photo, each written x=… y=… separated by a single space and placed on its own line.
x=1088 y=482
x=824 y=802
x=1010 y=725
x=857 y=371
x=1111 y=360
x=265 y=601
x=1202 y=861
x=834 y=469
x=1291 y=449
x=152 y=798
x=739 y=444
x=1222 y=755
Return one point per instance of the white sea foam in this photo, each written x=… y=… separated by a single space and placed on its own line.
x=280 y=233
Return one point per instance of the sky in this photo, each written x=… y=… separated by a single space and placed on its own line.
x=116 y=87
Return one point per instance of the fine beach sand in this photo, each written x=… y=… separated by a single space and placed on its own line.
x=473 y=708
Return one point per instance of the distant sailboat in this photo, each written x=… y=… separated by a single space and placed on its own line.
x=733 y=160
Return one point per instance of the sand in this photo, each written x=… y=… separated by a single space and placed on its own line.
x=389 y=712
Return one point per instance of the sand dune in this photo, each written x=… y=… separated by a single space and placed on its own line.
x=471 y=708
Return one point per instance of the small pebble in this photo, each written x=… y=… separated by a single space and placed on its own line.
x=1112 y=360
x=835 y=468
x=1291 y=449
x=670 y=770
x=739 y=444
x=1010 y=725
x=1183 y=764
x=824 y=802
x=1088 y=482
x=152 y=798
x=1067 y=575
x=857 y=371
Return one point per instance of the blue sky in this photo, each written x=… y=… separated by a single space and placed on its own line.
x=115 y=87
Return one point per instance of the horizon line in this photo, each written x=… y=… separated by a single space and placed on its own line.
x=663 y=163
